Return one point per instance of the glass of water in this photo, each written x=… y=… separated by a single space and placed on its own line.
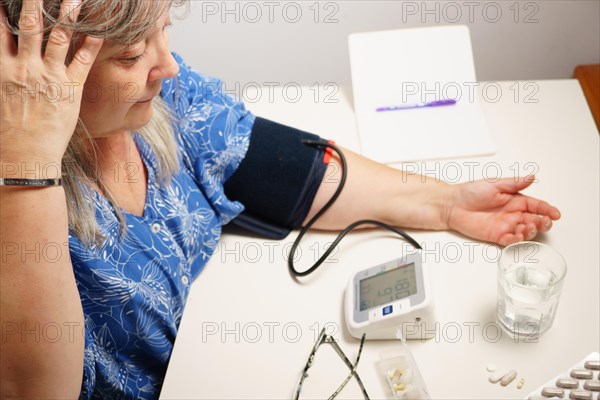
x=530 y=278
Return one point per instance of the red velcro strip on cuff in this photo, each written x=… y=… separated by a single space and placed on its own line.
x=328 y=153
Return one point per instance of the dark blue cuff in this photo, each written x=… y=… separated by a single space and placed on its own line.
x=277 y=180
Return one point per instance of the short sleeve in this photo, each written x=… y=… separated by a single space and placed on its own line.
x=213 y=133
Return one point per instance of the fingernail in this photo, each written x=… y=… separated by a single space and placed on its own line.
x=548 y=224
x=533 y=232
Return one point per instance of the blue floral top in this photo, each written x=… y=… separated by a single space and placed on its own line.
x=133 y=289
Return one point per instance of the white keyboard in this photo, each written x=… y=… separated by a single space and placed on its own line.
x=580 y=382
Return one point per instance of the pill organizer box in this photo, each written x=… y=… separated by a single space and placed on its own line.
x=402 y=374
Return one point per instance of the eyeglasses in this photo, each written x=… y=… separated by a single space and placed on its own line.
x=325 y=338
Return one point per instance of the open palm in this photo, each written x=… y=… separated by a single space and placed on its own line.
x=496 y=212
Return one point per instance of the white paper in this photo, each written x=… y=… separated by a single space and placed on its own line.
x=410 y=66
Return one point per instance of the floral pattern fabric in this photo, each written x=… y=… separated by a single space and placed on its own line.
x=133 y=288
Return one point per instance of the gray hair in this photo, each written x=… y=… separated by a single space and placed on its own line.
x=120 y=22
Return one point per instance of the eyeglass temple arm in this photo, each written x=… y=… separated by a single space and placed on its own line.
x=322 y=339
x=352 y=368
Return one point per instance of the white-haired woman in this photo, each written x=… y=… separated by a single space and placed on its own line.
x=154 y=159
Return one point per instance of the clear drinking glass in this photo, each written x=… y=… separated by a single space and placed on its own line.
x=530 y=278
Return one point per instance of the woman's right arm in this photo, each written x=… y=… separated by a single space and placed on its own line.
x=42 y=343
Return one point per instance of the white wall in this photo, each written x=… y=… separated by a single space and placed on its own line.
x=269 y=41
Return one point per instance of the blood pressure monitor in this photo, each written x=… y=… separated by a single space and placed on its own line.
x=389 y=299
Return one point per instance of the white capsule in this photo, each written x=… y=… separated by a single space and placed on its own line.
x=508 y=378
x=405 y=392
x=398 y=375
x=407 y=376
x=491 y=367
x=398 y=387
x=395 y=374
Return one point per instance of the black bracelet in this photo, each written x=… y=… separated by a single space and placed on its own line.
x=30 y=182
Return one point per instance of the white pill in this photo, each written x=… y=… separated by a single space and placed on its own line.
x=495 y=378
x=508 y=378
x=491 y=367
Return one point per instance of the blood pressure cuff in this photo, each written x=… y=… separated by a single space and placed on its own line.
x=277 y=180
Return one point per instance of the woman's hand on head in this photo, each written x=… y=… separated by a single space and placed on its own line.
x=41 y=96
x=497 y=212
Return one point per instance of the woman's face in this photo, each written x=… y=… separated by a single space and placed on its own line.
x=118 y=93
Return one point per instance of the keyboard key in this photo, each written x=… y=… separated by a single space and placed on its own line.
x=567 y=383
x=581 y=374
x=593 y=386
x=553 y=392
x=580 y=395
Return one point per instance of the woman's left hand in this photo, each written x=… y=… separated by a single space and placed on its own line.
x=496 y=212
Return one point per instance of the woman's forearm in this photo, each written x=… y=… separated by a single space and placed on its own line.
x=41 y=314
x=376 y=191
x=491 y=211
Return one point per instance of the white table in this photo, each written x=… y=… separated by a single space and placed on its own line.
x=248 y=326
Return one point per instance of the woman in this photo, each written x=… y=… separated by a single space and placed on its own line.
x=152 y=154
